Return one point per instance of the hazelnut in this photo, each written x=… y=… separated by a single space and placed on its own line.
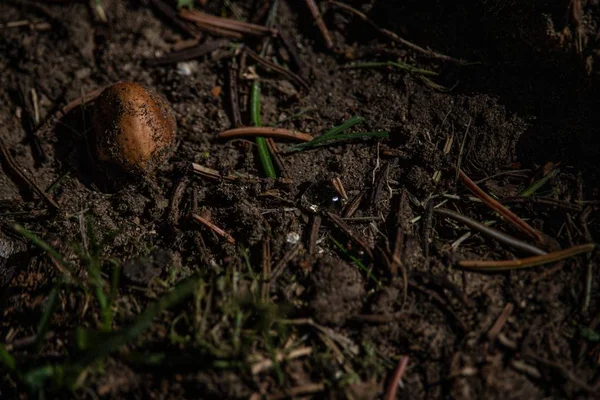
x=134 y=127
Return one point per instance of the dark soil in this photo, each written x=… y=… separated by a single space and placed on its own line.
x=304 y=304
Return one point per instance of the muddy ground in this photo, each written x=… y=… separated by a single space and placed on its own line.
x=119 y=292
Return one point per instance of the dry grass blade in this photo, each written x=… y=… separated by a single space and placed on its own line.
x=214 y=228
x=266 y=132
x=171 y=14
x=189 y=53
x=390 y=393
x=314 y=10
x=16 y=170
x=204 y=20
x=267 y=363
x=503 y=211
x=491 y=232
x=344 y=227
x=268 y=65
x=491 y=265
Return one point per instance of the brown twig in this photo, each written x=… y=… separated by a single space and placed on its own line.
x=344 y=227
x=266 y=132
x=167 y=11
x=314 y=234
x=314 y=10
x=491 y=232
x=491 y=265
x=16 y=170
x=394 y=37
x=266 y=267
x=503 y=211
x=173 y=215
x=189 y=53
x=289 y=256
x=396 y=263
x=267 y=363
x=269 y=66
x=214 y=228
x=499 y=324
x=351 y=207
x=339 y=187
x=277 y=158
x=390 y=393
x=225 y=25
x=50 y=124
x=234 y=93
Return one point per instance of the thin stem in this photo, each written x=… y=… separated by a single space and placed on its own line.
x=500 y=209
x=505 y=265
x=491 y=232
x=261 y=142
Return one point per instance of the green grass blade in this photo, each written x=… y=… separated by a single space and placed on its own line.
x=534 y=187
x=255 y=119
x=37 y=377
x=261 y=142
x=265 y=157
x=104 y=344
x=44 y=325
x=44 y=246
x=356 y=261
x=7 y=359
x=340 y=128
x=339 y=139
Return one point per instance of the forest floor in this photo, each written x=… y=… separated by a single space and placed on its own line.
x=353 y=273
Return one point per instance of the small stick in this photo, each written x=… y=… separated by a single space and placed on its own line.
x=269 y=66
x=339 y=187
x=280 y=356
x=390 y=393
x=395 y=37
x=499 y=324
x=266 y=132
x=226 y=23
x=171 y=14
x=16 y=170
x=314 y=10
x=276 y=157
x=490 y=265
x=427 y=227
x=189 y=53
x=266 y=267
x=214 y=228
x=398 y=247
x=351 y=207
x=289 y=256
x=491 y=232
x=343 y=226
x=173 y=213
x=49 y=125
x=314 y=234
x=214 y=174
x=234 y=93
x=500 y=209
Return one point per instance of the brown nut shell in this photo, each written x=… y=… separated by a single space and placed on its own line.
x=134 y=127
